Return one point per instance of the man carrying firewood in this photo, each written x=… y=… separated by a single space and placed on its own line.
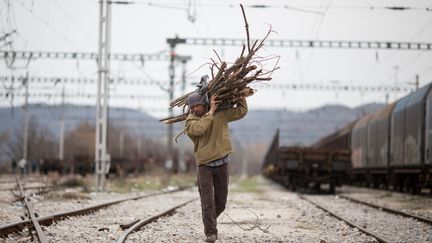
x=209 y=132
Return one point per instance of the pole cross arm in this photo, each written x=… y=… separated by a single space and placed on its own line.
x=82 y=55
x=332 y=44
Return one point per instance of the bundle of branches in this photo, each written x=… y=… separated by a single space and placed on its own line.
x=230 y=84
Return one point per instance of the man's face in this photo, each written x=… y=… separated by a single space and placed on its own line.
x=198 y=110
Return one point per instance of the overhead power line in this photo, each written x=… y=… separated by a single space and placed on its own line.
x=403 y=87
x=307 y=8
x=332 y=44
x=84 y=95
x=63 y=36
x=7 y=35
x=87 y=108
x=338 y=87
x=74 y=21
x=70 y=80
x=82 y=55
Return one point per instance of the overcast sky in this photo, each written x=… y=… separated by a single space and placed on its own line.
x=66 y=25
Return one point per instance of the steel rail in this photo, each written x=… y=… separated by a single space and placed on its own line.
x=46 y=220
x=382 y=240
x=40 y=235
x=389 y=210
x=136 y=225
x=13 y=181
x=29 y=188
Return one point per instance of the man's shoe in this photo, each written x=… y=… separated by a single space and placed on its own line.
x=211 y=238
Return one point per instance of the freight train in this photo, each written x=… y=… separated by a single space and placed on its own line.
x=84 y=165
x=390 y=148
x=306 y=169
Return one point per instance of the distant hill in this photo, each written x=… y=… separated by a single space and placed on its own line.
x=48 y=116
x=297 y=128
x=253 y=133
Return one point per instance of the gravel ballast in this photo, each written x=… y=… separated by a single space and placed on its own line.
x=394 y=228
x=264 y=212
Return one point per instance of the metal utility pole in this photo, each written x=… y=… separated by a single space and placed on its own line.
x=121 y=143
x=396 y=68
x=169 y=162
x=101 y=156
x=182 y=164
x=244 y=173
x=244 y=165
x=61 y=152
x=171 y=71
x=26 y=119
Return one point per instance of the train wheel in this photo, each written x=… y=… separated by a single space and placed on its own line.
x=415 y=188
x=332 y=188
x=400 y=185
x=316 y=187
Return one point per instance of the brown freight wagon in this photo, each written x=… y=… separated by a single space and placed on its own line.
x=359 y=147
x=341 y=139
x=378 y=153
x=409 y=160
x=306 y=168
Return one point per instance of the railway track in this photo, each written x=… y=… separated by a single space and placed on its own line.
x=12 y=180
x=389 y=210
x=365 y=218
x=30 y=188
x=40 y=235
x=47 y=220
x=134 y=226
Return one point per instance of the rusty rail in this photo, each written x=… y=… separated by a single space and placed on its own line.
x=29 y=179
x=390 y=210
x=47 y=220
x=28 y=188
x=138 y=224
x=345 y=220
x=41 y=236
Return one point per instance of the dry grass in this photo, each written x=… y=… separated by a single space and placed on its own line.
x=248 y=184
x=68 y=195
x=150 y=182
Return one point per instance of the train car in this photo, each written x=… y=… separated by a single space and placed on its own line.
x=359 y=148
x=51 y=165
x=341 y=139
x=410 y=169
x=392 y=147
x=300 y=168
x=398 y=132
x=84 y=165
x=378 y=154
x=271 y=158
x=428 y=133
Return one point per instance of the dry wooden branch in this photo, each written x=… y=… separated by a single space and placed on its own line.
x=217 y=55
x=231 y=81
x=255 y=226
x=246 y=27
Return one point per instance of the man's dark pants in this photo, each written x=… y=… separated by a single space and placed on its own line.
x=213 y=189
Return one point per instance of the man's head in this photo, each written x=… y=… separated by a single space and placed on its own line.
x=196 y=103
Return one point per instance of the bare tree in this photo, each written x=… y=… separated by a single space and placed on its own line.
x=80 y=142
x=41 y=142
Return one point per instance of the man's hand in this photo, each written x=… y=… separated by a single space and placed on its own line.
x=213 y=105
